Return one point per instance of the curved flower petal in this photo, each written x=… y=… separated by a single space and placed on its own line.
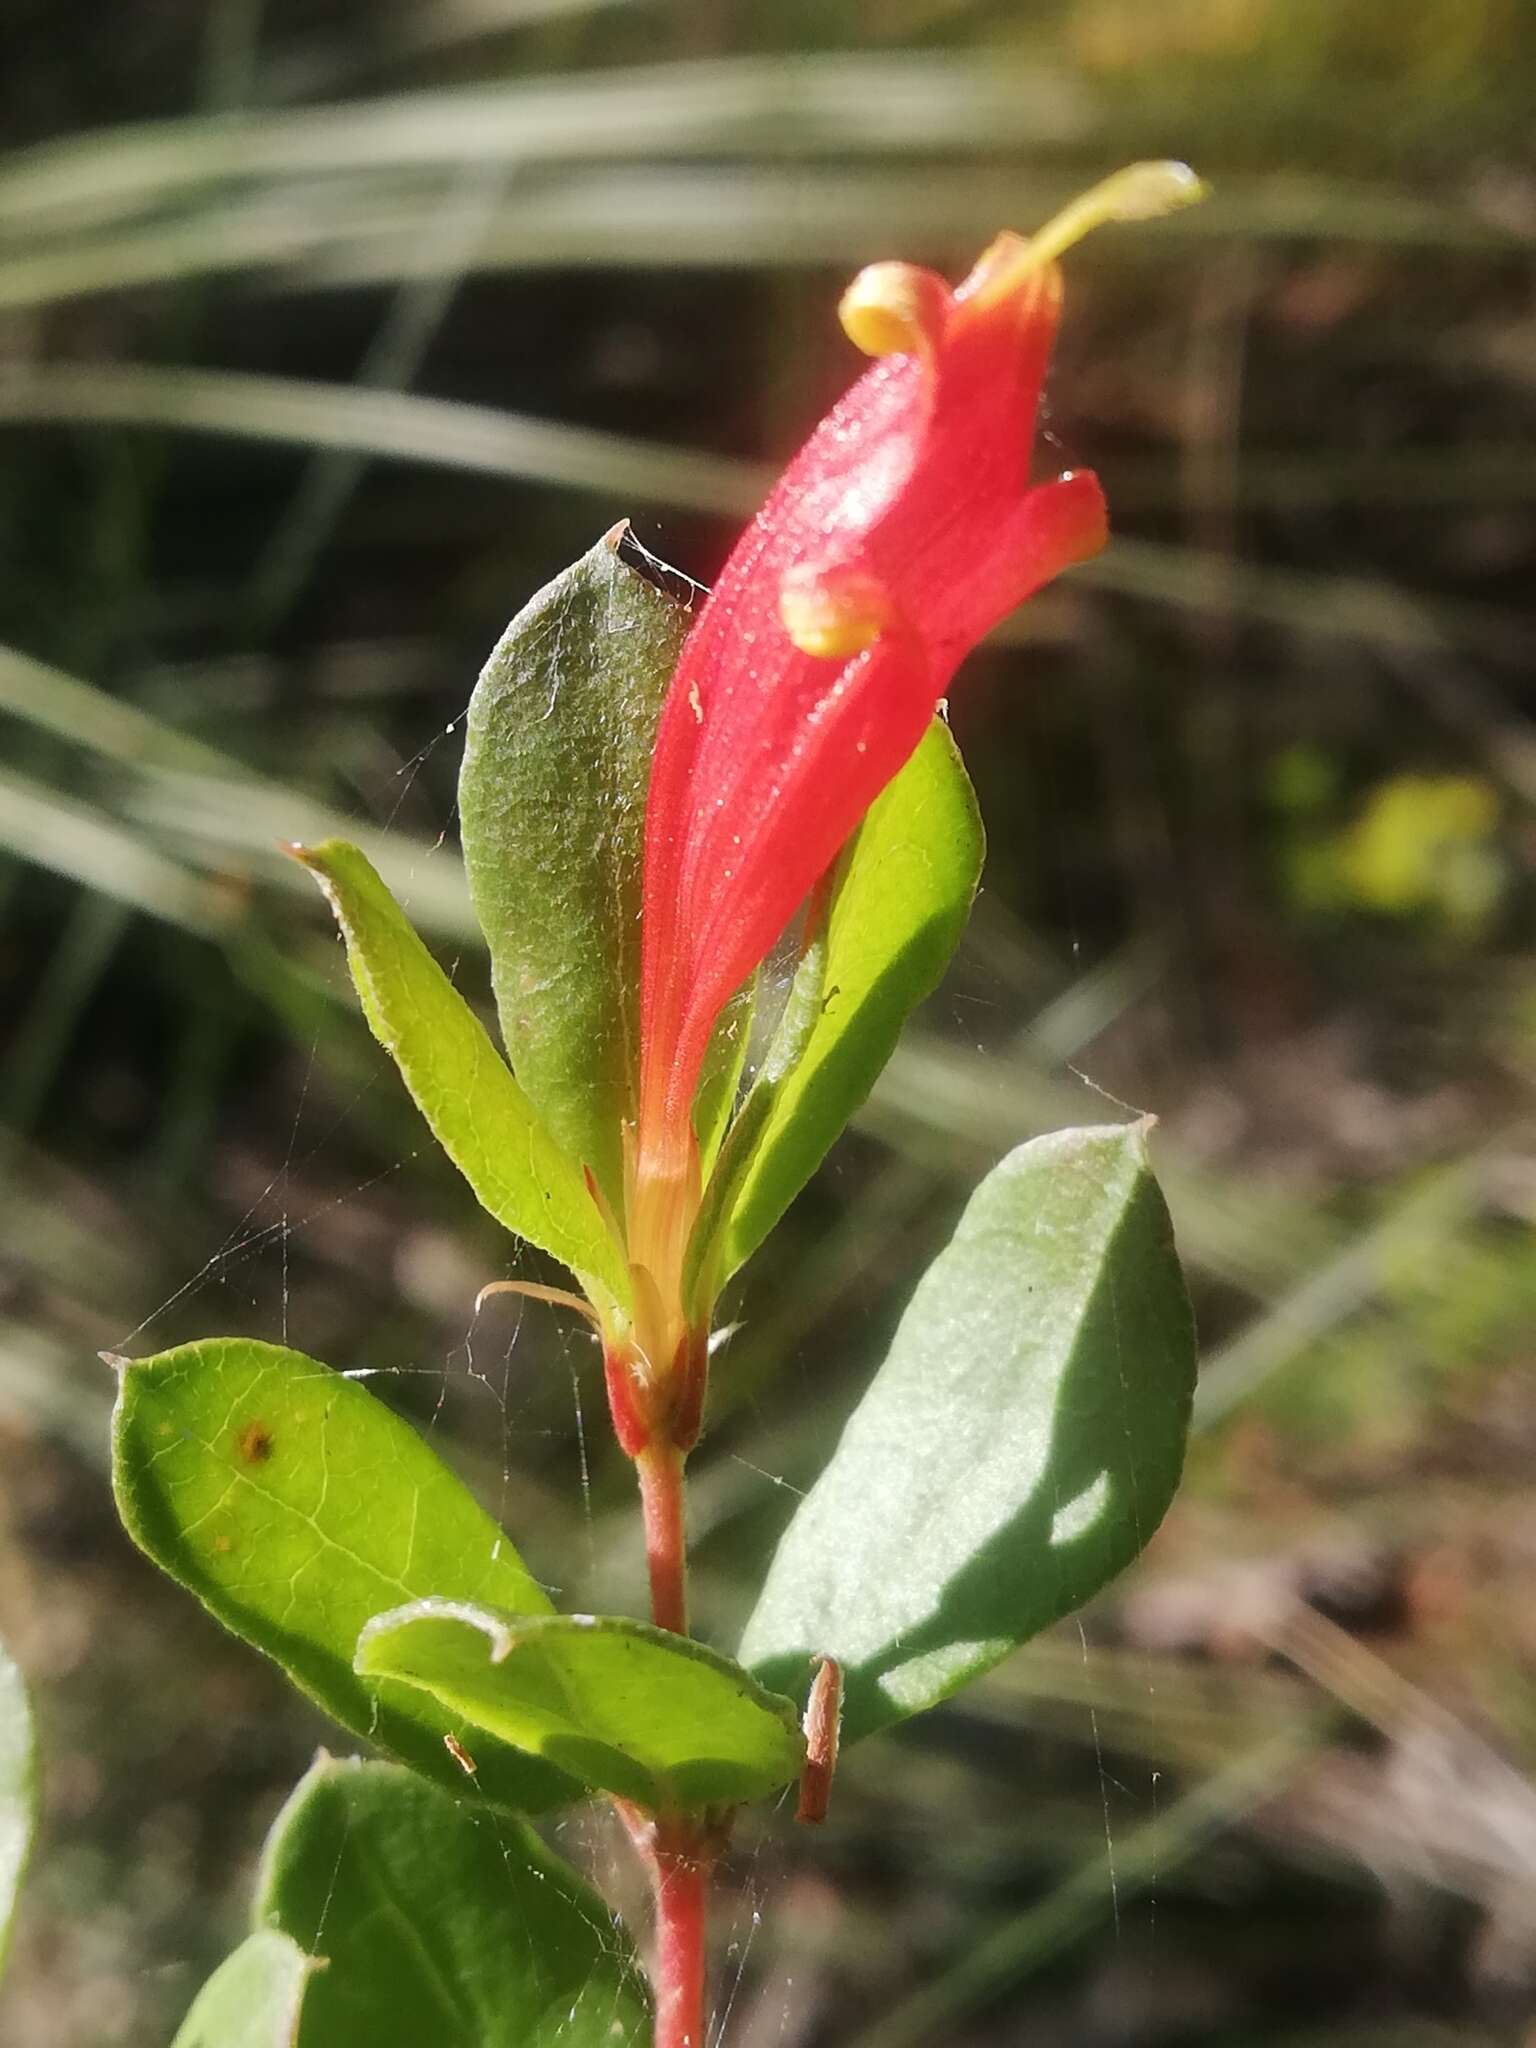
x=895 y=540
x=902 y=532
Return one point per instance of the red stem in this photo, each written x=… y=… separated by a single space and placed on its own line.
x=659 y=1469
x=678 y=1853
x=680 y=1878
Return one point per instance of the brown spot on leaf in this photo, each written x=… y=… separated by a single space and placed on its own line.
x=253 y=1440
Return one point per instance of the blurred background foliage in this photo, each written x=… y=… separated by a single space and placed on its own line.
x=327 y=334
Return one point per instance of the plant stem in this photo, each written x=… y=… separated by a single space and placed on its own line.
x=659 y=1469
x=680 y=1879
x=678 y=1852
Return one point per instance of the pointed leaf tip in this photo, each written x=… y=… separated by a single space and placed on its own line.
x=477 y=1111
x=557 y=759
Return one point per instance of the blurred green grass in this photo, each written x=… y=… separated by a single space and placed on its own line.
x=324 y=340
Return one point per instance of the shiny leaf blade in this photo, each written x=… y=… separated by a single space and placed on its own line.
x=254 y=1999
x=552 y=802
x=901 y=900
x=1018 y=1447
x=18 y=1790
x=627 y=1708
x=479 y=1115
x=294 y=1504
x=439 y=1925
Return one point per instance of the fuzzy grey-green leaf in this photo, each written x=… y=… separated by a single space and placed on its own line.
x=432 y=1924
x=557 y=762
x=1017 y=1448
x=294 y=1504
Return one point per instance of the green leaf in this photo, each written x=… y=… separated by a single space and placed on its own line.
x=18 y=1790
x=462 y=1085
x=557 y=762
x=742 y=1139
x=1017 y=1448
x=439 y=1925
x=627 y=1708
x=254 y=1999
x=295 y=1505
x=724 y=1063
x=901 y=900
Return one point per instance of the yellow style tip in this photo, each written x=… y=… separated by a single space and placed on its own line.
x=1144 y=191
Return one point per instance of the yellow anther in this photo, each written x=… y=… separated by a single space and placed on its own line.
x=1139 y=192
x=833 y=612
x=894 y=309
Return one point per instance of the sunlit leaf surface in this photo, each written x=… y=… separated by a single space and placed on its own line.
x=626 y=1707
x=463 y=1087
x=439 y=1923
x=294 y=1504
x=1017 y=1448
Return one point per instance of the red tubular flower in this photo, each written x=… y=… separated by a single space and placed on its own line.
x=904 y=530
